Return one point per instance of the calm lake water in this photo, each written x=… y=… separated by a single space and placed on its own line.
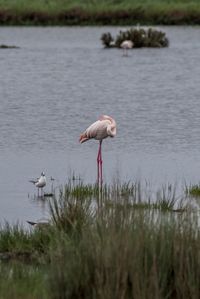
x=60 y=81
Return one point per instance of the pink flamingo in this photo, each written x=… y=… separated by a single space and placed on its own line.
x=99 y=130
x=125 y=45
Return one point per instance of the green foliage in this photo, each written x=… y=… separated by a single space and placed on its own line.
x=139 y=36
x=166 y=199
x=102 y=12
x=71 y=212
x=193 y=190
x=155 y=38
x=128 y=254
x=107 y=39
x=22 y=281
x=17 y=243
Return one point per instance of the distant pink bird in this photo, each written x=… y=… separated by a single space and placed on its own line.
x=99 y=130
x=126 y=45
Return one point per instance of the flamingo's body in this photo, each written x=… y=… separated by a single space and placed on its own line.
x=126 y=45
x=40 y=183
x=99 y=130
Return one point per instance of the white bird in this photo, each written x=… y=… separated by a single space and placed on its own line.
x=40 y=183
x=99 y=130
x=126 y=45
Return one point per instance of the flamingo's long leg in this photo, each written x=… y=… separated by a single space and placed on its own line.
x=99 y=165
x=98 y=157
x=101 y=162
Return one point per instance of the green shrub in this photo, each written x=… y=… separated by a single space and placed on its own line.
x=139 y=36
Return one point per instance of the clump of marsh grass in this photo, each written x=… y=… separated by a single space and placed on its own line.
x=166 y=199
x=22 y=281
x=71 y=211
x=193 y=190
x=139 y=36
x=107 y=39
x=155 y=39
x=128 y=253
x=18 y=243
x=89 y=197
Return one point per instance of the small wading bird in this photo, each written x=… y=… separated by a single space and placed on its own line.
x=99 y=130
x=126 y=45
x=40 y=183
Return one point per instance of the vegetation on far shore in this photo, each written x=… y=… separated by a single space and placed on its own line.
x=99 y=12
x=115 y=242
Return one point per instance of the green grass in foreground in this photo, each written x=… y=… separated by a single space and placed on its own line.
x=102 y=12
x=21 y=281
x=109 y=243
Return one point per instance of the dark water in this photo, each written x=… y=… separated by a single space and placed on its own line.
x=61 y=80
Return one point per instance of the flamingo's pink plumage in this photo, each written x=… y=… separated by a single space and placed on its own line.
x=125 y=45
x=99 y=130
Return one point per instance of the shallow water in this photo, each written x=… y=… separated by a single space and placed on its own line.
x=61 y=80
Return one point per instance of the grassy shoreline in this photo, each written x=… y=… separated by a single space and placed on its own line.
x=122 y=12
x=112 y=243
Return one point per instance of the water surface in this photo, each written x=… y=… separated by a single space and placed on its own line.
x=61 y=80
